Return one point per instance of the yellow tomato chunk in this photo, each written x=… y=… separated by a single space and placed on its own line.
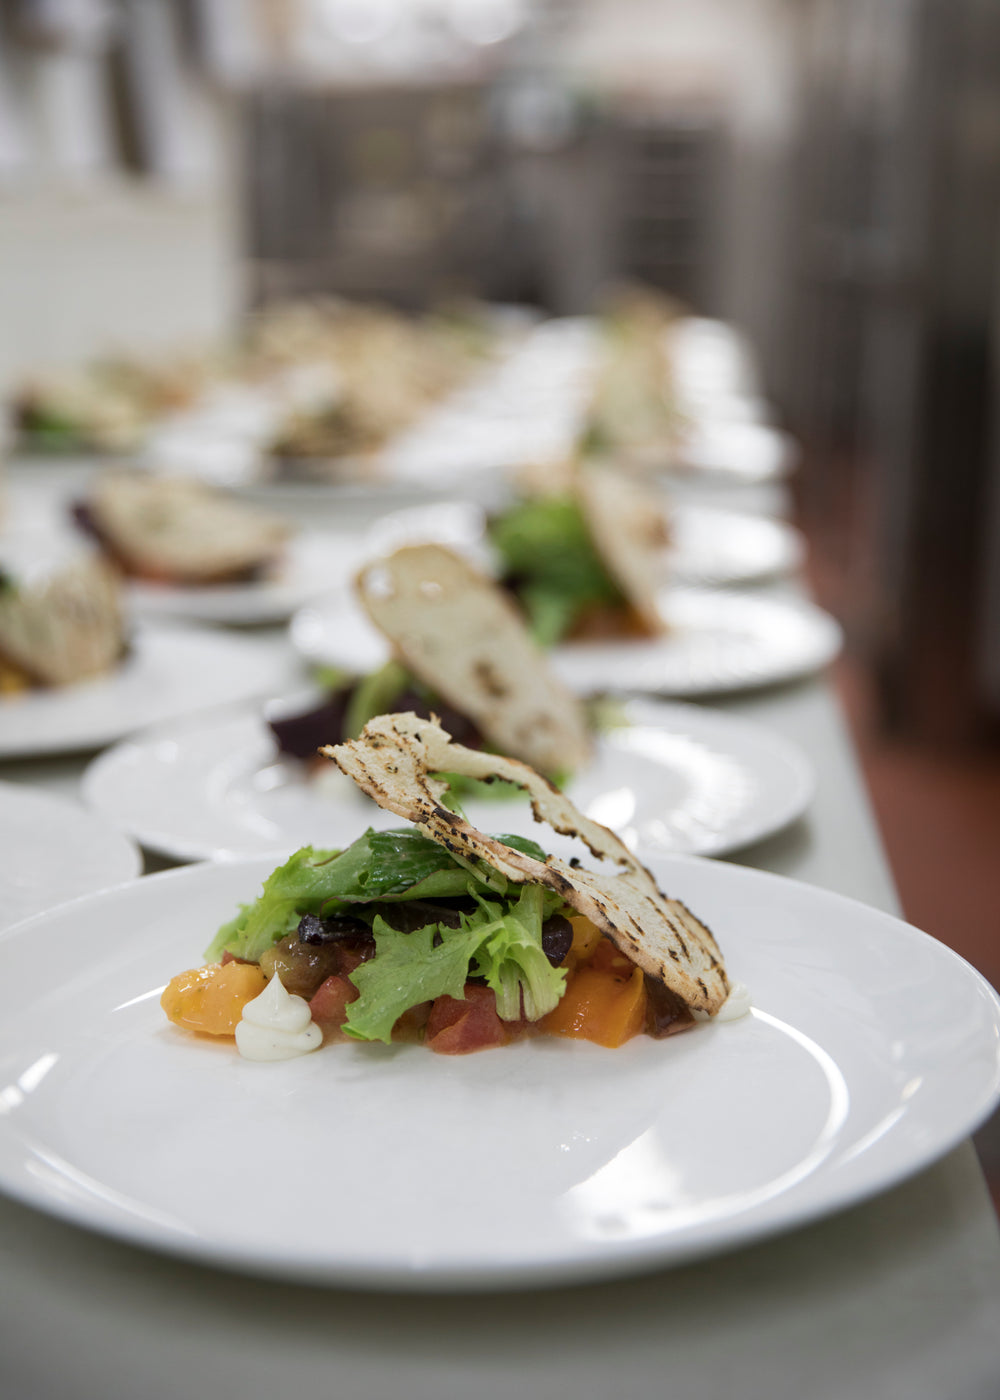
x=600 y=1006
x=586 y=937
x=211 y=999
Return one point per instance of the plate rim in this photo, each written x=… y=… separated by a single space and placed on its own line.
x=800 y=769
x=829 y=643
x=792 y=538
x=145 y=635
x=237 y=605
x=125 y=845
x=633 y=1259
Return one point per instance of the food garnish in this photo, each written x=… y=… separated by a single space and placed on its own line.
x=441 y=933
x=585 y=562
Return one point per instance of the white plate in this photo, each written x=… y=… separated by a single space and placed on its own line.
x=716 y=643
x=314 y=562
x=734 y=449
x=168 y=671
x=674 y=778
x=54 y=850
x=718 y=547
x=707 y=547
x=872 y=1051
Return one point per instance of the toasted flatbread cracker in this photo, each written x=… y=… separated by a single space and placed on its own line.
x=67 y=626
x=457 y=632
x=393 y=762
x=179 y=529
x=629 y=530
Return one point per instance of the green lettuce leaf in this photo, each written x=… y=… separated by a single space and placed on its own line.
x=298 y=887
x=546 y=546
x=512 y=959
x=380 y=865
x=502 y=941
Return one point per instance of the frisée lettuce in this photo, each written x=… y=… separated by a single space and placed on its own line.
x=497 y=934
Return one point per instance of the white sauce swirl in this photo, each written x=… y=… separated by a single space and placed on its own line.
x=277 y=1026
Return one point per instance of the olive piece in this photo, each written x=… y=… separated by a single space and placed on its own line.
x=339 y=929
x=557 y=938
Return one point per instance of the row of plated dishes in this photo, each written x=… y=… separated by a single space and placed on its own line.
x=568 y=626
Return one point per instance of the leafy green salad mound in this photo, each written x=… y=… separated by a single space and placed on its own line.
x=498 y=937
x=549 y=558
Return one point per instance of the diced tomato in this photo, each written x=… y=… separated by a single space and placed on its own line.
x=329 y=1003
x=458 y=1027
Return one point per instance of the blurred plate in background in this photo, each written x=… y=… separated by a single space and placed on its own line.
x=667 y=778
x=168 y=671
x=54 y=850
x=715 y=642
x=314 y=562
x=707 y=547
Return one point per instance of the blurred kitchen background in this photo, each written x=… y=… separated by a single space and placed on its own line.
x=823 y=173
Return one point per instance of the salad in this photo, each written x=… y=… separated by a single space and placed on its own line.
x=460 y=650
x=584 y=563
x=439 y=933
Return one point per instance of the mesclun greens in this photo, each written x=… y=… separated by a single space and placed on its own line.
x=549 y=556
x=500 y=939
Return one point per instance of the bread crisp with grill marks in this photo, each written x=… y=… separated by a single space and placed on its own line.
x=394 y=761
x=180 y=531
x=457 y=631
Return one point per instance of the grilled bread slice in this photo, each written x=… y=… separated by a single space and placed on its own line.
x=177 y=530
x=67 y=626
x=395 y=760
x=456 y=631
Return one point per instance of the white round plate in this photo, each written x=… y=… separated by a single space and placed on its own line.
x=707 y=547
x=168 y=671
x=314 y=562
x=669 y=778
x=54 y=850
x=716 y=642
x=717 y=547
x=871 y=1051
x=731 y=448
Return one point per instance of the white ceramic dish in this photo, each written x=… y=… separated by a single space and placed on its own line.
x=314 y=562
x=716 y=642
x=719 y=548
x=673 y=778
x=54 y=850
x=872 y=1050
x=708 y=547
x=732 y=448
x=169 y=671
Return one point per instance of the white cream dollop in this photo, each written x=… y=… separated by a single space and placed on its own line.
x=736 y=1005
x=277 y=1025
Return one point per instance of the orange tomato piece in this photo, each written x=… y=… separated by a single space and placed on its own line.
x=211 y=999
x=586 y=937
x=600 y=1004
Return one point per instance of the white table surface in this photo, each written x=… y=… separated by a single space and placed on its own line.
x=897 y=1299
